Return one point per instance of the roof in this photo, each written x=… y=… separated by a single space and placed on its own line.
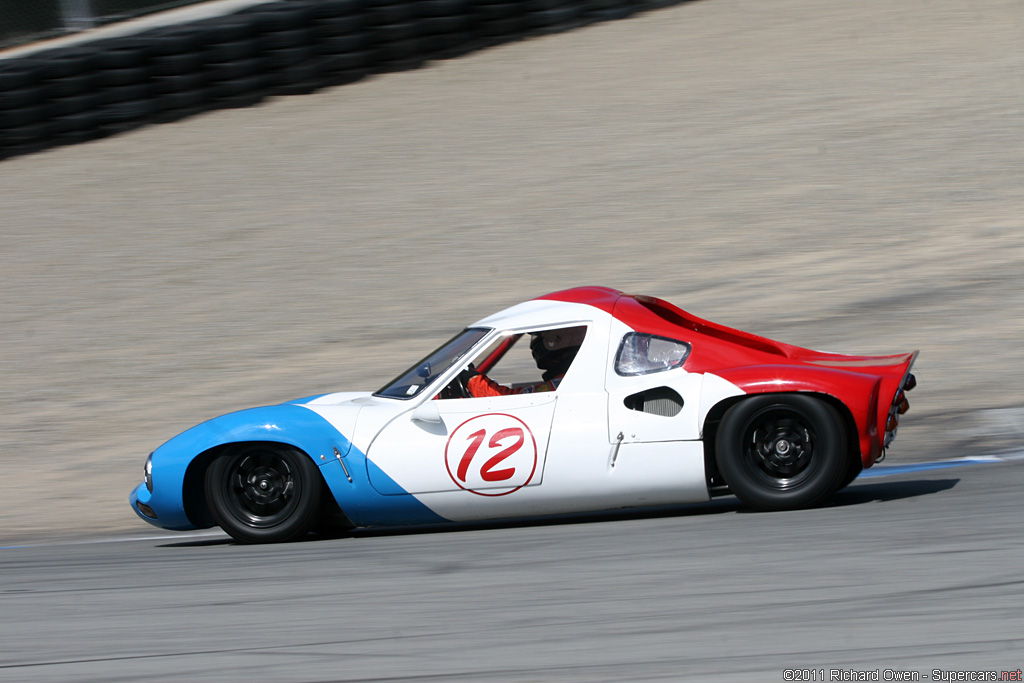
x=656 y=316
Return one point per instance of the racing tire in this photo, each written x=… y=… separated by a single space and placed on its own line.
x=124 y=93
x=264 y=493
x=852 y=472
x=126 y=112
x=273 y=60
x=6 y=151
x=394 y=33
x=240 y=101
x=610 y=12
x=74 y=123
x=399 y=55
x=24 y=97
x=444 y=25
x=341 y=44
x=66 y=62
x=325 y=9
x=297 y=79
x=279 y=40
x=227 y=52
x=121 y=53
x=15 y=74
x=343 y=76
x=237 y=86
x=178 y=83
x=114 y=78
x=344 y=62
x=279 y=16
x=24 y=116
x=173 y=101
x=26 y=135
x=782 y=451
x=227 y=71
x=553 y=17
x=65 y=106
x=74 y=137
x=499 y=11
x=174 y=65
x=546 y=5
x=390 y=13
x=227 y=28
x=172 y=40
x=338 y=26
x=67 y=86
x=445 y=45
x=442 y=8
x=501 y=28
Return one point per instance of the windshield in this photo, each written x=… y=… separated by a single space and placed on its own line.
x=410 y=382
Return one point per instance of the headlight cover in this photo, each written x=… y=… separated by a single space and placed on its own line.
x=148 y=473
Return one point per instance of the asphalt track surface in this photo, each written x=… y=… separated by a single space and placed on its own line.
x=910 y=572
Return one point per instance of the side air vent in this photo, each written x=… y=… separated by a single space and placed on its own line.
x=659 y=401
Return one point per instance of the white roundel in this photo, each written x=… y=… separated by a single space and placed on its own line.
x=491 y=455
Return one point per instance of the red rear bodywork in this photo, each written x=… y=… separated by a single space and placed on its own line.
x=871 y=388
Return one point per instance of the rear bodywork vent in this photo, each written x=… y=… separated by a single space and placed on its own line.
x=658 y=401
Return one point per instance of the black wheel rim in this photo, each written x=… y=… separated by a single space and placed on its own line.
x=779 y=447
x=262 y=487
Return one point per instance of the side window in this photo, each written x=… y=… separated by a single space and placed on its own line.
x=509 y=360
x=520 y=363
x=642 y=354
x=533 y=357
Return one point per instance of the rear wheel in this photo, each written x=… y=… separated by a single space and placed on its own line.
x=780 y=452
x=264 y=493
x=852 y=472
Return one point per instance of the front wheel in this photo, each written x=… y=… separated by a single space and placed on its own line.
x=264 y=493
x=779 y=452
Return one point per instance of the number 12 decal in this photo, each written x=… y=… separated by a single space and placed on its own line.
x=494 y=451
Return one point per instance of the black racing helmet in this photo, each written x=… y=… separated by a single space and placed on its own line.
x=554 y=350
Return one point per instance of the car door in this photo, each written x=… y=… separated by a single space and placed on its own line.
x=489 y=446
x=485 y=446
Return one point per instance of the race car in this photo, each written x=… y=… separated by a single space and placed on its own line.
x=640 y=404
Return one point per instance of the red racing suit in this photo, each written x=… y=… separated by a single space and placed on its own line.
x=481 y=386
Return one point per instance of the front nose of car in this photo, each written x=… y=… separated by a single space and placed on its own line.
x=140 y=499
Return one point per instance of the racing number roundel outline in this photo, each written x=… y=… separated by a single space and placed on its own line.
x=495 y=451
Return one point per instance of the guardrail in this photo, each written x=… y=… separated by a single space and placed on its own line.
x=76 y=93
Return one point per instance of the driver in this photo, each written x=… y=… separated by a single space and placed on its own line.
x=552 y=350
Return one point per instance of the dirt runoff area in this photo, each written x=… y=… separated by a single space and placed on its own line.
x=846 y=176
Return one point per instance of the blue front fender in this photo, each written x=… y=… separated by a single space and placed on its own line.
x=287 y=424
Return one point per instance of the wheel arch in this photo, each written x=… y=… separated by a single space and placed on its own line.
x=286 y=425
x=193 y=494
x=197 y=506
x=712 y=421
x=855 y=394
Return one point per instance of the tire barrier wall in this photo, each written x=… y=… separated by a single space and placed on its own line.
x=74 y=94
x=22 y=21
